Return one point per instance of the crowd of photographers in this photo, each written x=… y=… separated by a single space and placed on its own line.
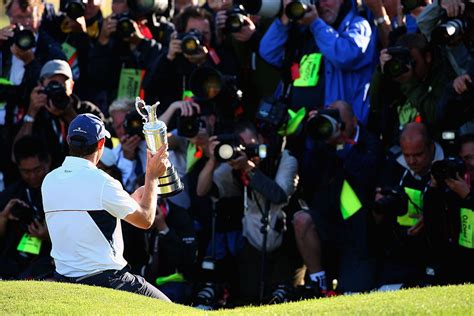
x=325 y=147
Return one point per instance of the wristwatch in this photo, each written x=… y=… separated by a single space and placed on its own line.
x=382 y=20
x=28 y=118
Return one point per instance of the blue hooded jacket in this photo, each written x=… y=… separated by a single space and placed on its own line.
x=349 y=55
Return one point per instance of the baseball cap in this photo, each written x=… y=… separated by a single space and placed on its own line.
x=86 y=129
x=56 y=67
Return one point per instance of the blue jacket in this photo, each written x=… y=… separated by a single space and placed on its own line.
x=349 y=58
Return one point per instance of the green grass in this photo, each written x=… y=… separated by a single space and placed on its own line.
x=32 y=297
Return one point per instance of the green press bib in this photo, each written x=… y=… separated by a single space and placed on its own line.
x=309 y=70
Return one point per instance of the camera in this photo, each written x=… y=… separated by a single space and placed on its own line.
x=447 y=169
x=188 y=126
x=393 y=202
x=75 y=9
x=409 y=5
x=230 y=146
x=263 y=8
x=23 y=38
x=56 y=93
x=125 y=27
x=235 y=19
x=326 y=124
x=271 y=115
x=24 y=214
x=133 y=124
x=296 y=9
x=451 y=29
x=141 y=8
x=191 y=42
x=398 y=65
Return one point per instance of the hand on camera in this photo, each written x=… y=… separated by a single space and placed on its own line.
x=284 y=19
x=461 y=84
x=310 y=16
x=136 y=37
x=242 y=163
x=187 y=108
x=38 y=100
x=130 y=145
x=453 y=8
x=156 y=164
x=458 y=186
x=248 y=29
x=174 y=47
x=6 y=214
x=384 y=57
x=221 y=18
x=211 y=146
x=7 y=32
x=416 y=229
x=38 y=229
x=109 y=26
x=25 y=56
x=218 y=5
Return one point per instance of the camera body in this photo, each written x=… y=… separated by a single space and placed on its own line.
x=191 y=42
x=25 y=215
x=56 y=93
x=271 y=115
x=230 y=146
x=23 y=38
x=125 y=27
x=394 y=202
x=235 y=19
x=398 y=65
x=297 y=9
x=188 y=126
x=447 y=168
x=75 y=9
x=326 y=124
x=133 y=124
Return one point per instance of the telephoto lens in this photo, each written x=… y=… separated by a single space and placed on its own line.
x=228 y=148
x=75 y=9
x=191 y=42
x=23 y=38
x=327 y=124
x=125 y=27
x=398 y=64
x=235 y=19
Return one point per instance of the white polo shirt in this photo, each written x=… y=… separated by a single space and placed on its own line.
x=83 y=206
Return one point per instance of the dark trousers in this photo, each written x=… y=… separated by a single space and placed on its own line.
x=119 y=280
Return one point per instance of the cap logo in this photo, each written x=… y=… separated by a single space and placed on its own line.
x=80 y=130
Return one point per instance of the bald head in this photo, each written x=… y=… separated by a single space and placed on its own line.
x=417 y=147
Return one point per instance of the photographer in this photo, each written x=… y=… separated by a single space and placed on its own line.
x=122 y=60
x=399 y=217
x=192 y=46
x=22 y=217
x=256 y=188
x=448 y=206
x=406 y=87
x=338 y=174
x=334 y=42
x=52 y=107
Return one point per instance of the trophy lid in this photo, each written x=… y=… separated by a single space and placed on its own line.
x=148 y=113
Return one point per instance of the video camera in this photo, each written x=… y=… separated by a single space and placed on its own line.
x=451 y=31
x=125 y=27
x=447 y=168
x=56 y=93
x=235 y=19
x=133 y=124
x=394 y=202
x=191 y=42
x=230 y=146
x=23 y=38
x=326 y=124
x=398 y=65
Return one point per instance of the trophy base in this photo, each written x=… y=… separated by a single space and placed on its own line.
x=169 y=183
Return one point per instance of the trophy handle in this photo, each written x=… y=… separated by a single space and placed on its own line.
x=141 y=106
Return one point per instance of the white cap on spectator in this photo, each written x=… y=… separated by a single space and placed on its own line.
x=108 y=157
x=56 y=67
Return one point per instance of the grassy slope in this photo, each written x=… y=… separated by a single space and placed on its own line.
x=54 y=298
